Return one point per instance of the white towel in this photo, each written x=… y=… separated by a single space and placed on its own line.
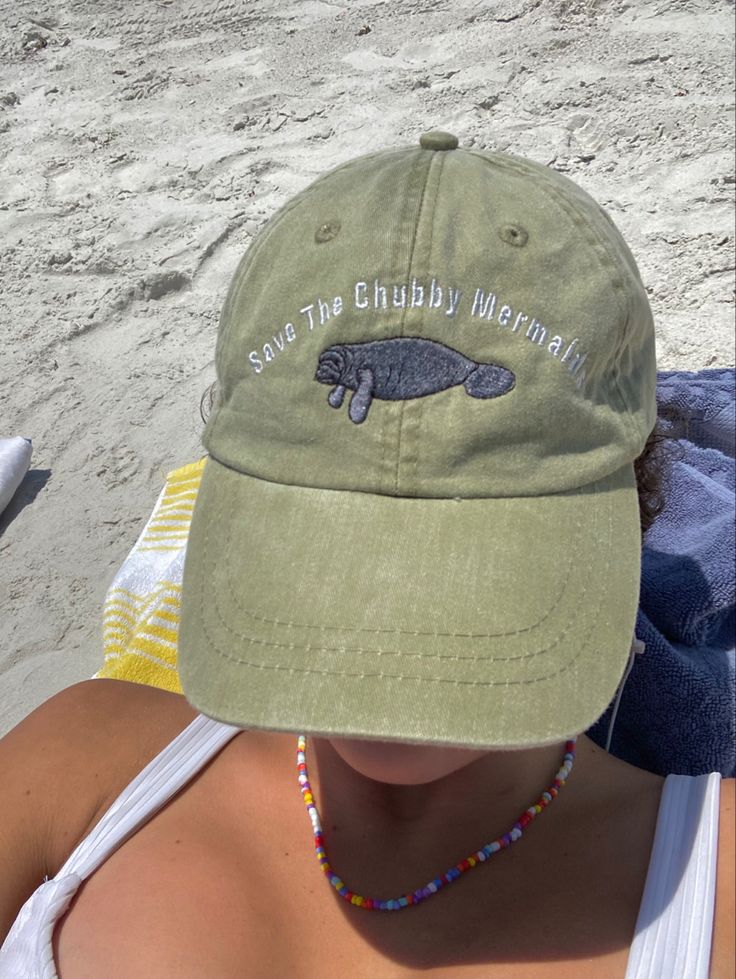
x=15 y=459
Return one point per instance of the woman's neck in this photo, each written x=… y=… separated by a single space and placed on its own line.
x=469 y=806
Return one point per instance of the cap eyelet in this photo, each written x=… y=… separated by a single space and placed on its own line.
x=514 y=234
x=327 y=231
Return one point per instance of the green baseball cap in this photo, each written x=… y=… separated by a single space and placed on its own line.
x=419 y=518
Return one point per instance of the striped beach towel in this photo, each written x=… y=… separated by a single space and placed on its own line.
x=141 y=613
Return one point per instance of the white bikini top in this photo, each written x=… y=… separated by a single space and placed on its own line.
x=673 y=931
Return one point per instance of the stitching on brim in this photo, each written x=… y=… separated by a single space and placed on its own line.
x=375 y=652
x=362 y=675
x=395 y=632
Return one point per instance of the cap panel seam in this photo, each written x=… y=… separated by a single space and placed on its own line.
x=599 y=242
x=397 y=476
x=257 y=246
x=601 y=246
x=418 y=404
x=402 y=322
x=239 y=280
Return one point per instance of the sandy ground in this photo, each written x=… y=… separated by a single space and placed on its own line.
x=142 y=144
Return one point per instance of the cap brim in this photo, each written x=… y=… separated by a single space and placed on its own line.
x=477 y=622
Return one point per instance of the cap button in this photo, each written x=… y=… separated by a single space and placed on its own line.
x=437 y=140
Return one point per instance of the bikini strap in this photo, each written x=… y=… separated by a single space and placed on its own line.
x=674 y=929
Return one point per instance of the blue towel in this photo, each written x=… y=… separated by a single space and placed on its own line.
x=678 y=709
x=700 y=407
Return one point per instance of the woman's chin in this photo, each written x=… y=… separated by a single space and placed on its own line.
x=395 y=763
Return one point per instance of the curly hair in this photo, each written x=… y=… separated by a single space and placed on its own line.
x=650 y=467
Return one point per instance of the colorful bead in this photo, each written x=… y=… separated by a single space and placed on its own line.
x=433 y=886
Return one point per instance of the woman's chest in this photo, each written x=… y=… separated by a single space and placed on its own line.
x=194 y=920
x=190 y=895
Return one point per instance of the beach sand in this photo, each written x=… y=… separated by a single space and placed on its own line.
x=142 y=145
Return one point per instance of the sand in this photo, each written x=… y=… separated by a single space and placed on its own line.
x=142 y=145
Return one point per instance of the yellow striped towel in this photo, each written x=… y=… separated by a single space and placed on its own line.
x=141 y=614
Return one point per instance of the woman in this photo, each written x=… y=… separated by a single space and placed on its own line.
x=437 y=584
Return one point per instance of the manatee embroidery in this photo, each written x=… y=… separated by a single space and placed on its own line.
x=401 y=368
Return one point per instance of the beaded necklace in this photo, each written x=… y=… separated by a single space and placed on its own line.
x=422 y=893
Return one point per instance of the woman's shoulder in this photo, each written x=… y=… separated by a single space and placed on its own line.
x=63 y=765
x=87 y=741
x=86 y=721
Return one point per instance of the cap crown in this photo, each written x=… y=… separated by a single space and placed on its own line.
x=480 y=322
